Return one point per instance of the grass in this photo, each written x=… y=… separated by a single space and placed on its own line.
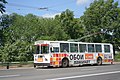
x=18 y=64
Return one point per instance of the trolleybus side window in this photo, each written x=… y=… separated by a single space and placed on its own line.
x=98 y=48
x=44 y=49
x=64 y=47
x=91 y=48
x=82 y=48
x=55 y=49
x=107 y=48
x=73 y=47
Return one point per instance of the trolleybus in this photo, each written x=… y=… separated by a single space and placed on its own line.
x=66 y=53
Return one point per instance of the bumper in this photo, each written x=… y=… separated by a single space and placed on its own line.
x=41 y=64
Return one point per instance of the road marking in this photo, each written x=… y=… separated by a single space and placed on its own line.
x=88 y=75
x=88 y=69
x=6 y=76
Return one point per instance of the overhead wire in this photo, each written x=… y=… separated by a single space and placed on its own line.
x=32 y=7
x=25 y=6
x=40 y=8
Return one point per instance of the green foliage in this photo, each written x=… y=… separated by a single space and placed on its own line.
x=24 y=31
x=69 y=24
x=5 y=22
x=17 y=51
x=117 y=57
x=102 y=15
x=2 y=7
x=7 y=53
x=18 y=33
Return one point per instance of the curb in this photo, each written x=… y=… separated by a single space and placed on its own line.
x=18 y=68
x=33 y=67
x=116 y=62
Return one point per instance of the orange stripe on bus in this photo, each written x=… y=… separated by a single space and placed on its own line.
x=54 y=59
x=54 y=55
x=53 y=63
x=60 y=55
x=57 y=59
x=56 y=63
x=51 y=59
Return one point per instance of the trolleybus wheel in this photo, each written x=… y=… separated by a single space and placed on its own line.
x=99 y=61
x=65 y=63
x=34 y=66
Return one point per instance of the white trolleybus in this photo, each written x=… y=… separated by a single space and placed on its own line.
x=66 y=53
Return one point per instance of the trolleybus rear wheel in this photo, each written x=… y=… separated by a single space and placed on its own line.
x=99 y=61
x=65 y=63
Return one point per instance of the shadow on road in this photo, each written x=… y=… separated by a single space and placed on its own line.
x=88 y=65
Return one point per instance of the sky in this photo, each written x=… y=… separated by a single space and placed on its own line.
x=54 y=7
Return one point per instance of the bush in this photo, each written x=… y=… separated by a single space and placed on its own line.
x=117 y=57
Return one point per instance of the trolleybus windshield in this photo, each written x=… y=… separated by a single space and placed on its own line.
x=42 y=49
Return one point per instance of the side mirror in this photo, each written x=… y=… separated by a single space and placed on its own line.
x=51 y=49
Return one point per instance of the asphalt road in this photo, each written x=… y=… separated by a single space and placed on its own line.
x=104 y=72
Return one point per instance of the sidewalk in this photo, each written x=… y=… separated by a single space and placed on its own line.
x=17 y=67
x=116 y=62
x=29 y=66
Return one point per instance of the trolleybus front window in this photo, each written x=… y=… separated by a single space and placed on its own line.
x=37 y=49
x=44 y=49
x=41 y=49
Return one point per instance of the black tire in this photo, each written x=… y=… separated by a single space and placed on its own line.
x=49 y=66
x=34 y=66
x=99 y=61
x=65 y=63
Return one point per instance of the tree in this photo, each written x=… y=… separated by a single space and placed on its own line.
x=101 y=15
x=2 y=7
x=24 y=30
x=70 y=25
x=8 y=52
x=5 y=21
